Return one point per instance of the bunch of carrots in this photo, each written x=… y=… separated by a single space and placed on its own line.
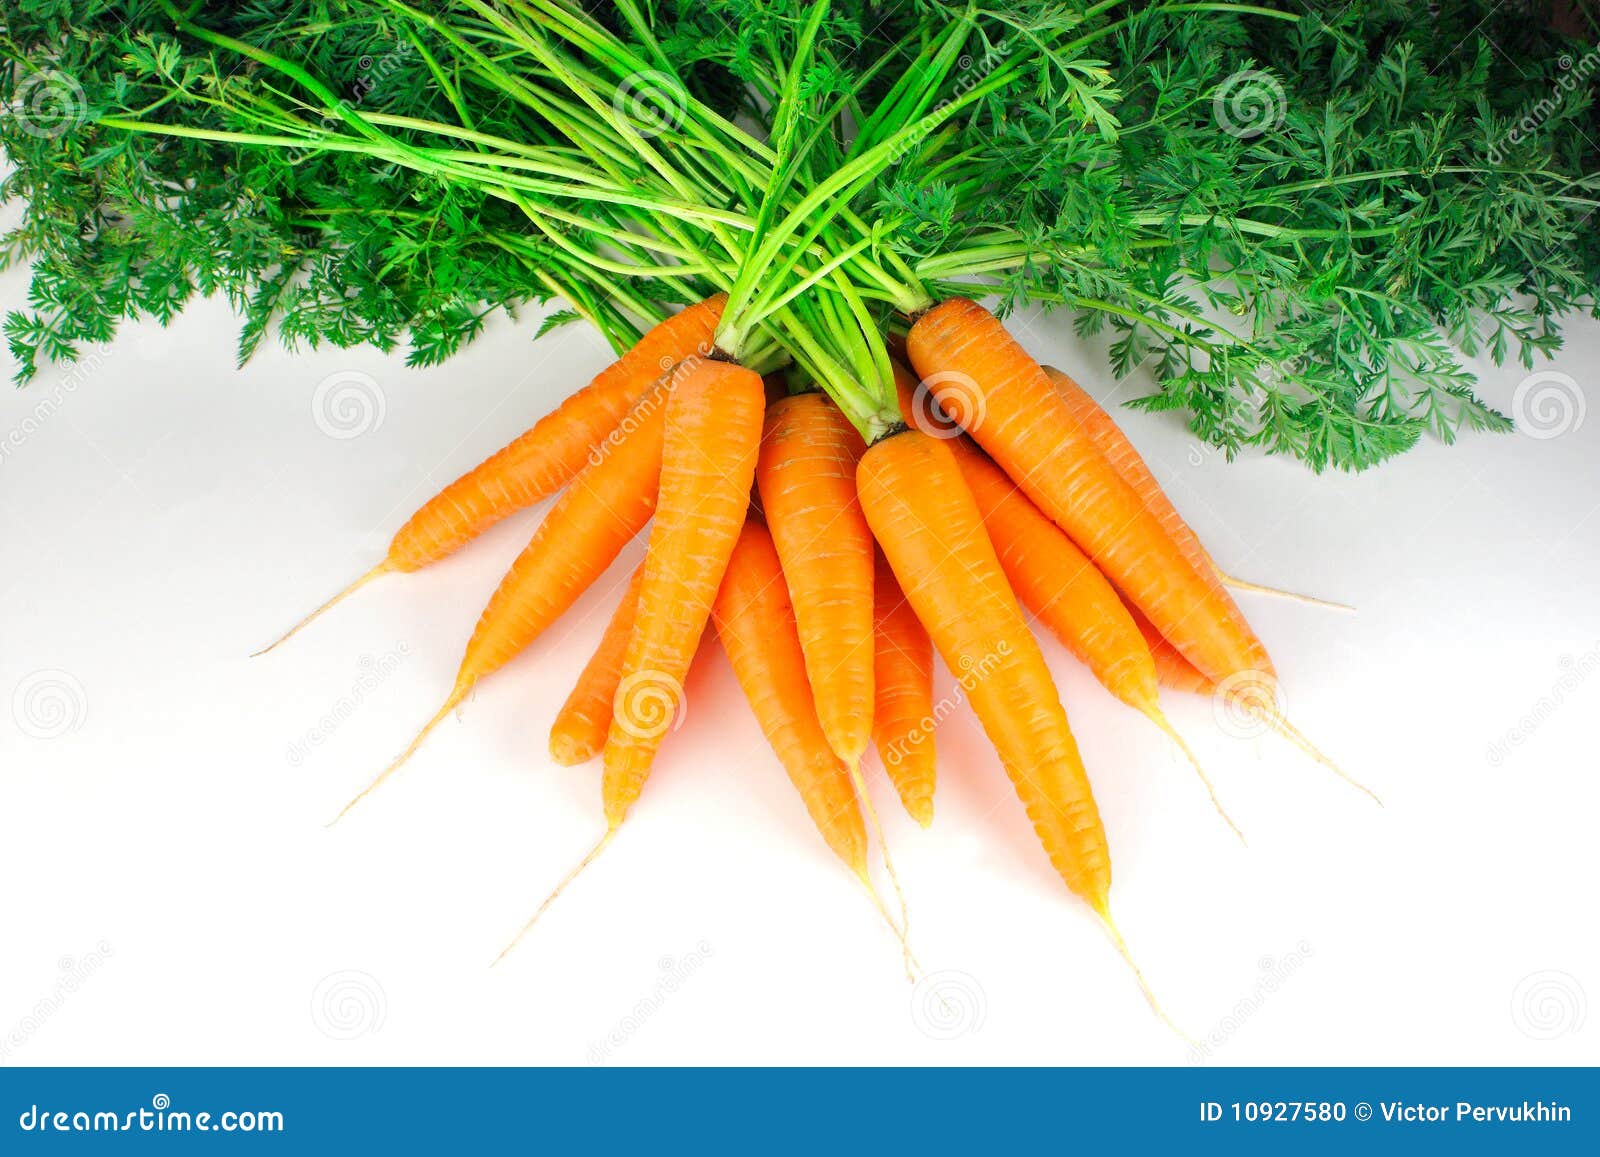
x=832 y=569
x=844 y=463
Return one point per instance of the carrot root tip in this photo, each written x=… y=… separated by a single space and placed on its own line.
x=588 y=859
x=1289 y=731
x=382 y=568
x=854 y=767
x=1158 y=717
x=1240 y=584
x=399 y=760
x=1103 y=910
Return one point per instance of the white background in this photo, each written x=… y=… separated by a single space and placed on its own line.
x=172 y=896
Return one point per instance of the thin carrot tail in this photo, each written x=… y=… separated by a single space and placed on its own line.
x=912 y=967
x=878 y=905
x=449 y=705
x=382 y=568
x=1158 y=717
x=1103 y=910
x=588 y=859
x=1240 y=584
x=1276 y=721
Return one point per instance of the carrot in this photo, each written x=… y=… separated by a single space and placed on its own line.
x=806 y=476
x=1064 y=591
x=1172 y=669
x=755 y=620
x=543 y=459
x=713 y=433
x=902 y=718
x=932 y=534
x=606 y=506
x=1109 y=439
x=579 y=731
x=1243 y=696
x=975 y=367
x=708 y=464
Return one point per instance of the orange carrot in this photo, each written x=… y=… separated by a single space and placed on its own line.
x=806 y=476
x=1109 y=439
x=1172 y=669
x=579 y=731
x=754 y=617
x=713 y=432
x=902 y=719
x=931 y=532
x=1064 y=591
x=606 y=506
x=708 y=465
x=976 y=368
x=543 y=459
x=755 y=620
